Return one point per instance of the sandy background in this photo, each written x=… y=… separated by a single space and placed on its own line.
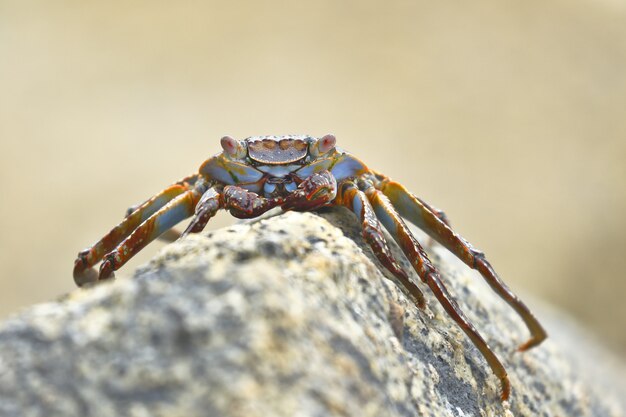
x=510 y=115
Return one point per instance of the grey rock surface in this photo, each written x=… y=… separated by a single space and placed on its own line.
x=289 y=316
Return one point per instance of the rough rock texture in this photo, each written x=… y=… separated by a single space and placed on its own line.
x=287 y=316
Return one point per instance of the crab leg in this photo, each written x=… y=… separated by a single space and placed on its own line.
x=428 y=273
x=439 y=213
x=206 y=208
x=354 y=199
x=166 y=217
x=92 y=255
x=185 y=183
x=171 y=235
x=419 y=214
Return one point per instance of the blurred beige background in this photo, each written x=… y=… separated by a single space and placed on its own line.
x=510 y=115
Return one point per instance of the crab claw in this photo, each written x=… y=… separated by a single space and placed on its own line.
x=316 y=191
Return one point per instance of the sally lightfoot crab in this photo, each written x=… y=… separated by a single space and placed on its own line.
x=302 y=173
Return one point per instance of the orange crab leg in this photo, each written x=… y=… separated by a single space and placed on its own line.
x=354 y=199
x=439 y=213
x=422 y=216
x=92 y=255
x=165 y=218
x=428 y=273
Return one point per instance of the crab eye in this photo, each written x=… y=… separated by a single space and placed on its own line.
x=323 y=145
x=231 y=146
x=327 y=143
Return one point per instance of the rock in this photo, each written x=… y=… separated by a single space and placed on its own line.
x=288 y=316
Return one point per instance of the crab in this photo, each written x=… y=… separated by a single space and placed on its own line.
x=303 y=173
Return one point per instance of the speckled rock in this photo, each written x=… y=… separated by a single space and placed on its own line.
x=288 y=316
